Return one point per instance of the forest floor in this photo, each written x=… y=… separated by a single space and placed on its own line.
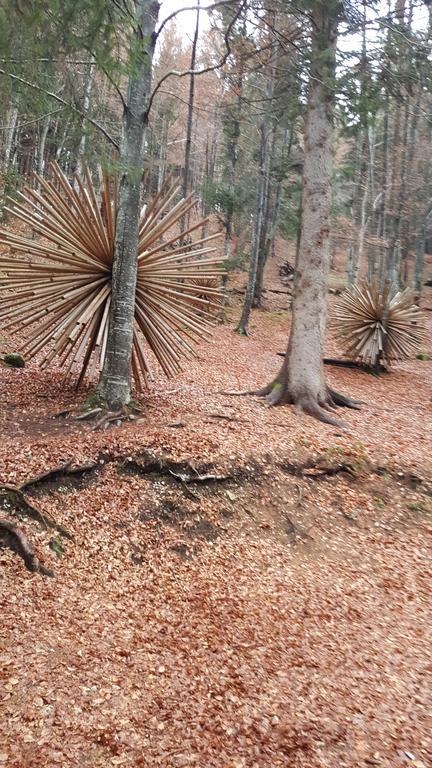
x=245 y=587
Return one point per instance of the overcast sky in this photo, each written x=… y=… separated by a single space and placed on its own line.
x=186 y=19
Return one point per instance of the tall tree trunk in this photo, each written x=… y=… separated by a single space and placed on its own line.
x=253 y=264
x=420 y=252
x=256 y=265
x=262 y=252
x=62 y=142
x=187 y=173
x=365 y=203
x=407 y=209
x=393 y=255
x=233 y=159
x=301 y=379
x=270 y=138
x=11 y=124
x=381 y=230
x=115 y=383
x=356 y=206
x=40 y=157
x=88 y=83
x=274 y=217
x=162 y=152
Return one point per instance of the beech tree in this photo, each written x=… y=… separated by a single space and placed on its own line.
x=115 y=383
x=301 y=380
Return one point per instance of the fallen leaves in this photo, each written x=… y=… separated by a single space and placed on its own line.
x=193 y=629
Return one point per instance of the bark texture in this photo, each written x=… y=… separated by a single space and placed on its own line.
x=11 y=124
x=115 y=383
x=301 y=379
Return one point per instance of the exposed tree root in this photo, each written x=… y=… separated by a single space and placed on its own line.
x=277 y=393
x=18 y=542
x=63 y=469
x=344 y=402
x=319 y=411
x=242 y=331
x=106 y=417
x=103 y=417
x=235 y=393
x=14 y=502
x=197 y=478
x=184 y=473
x=88 y=415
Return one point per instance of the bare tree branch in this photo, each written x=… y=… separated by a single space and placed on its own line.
x=45 y=60
x=36 y=119
x=212 y=68
x=191 y=8
x=65 y=104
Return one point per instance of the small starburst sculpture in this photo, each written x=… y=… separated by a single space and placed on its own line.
x=374 y=328
x=56 y=289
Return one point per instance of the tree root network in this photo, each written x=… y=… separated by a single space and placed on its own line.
x=14 y=501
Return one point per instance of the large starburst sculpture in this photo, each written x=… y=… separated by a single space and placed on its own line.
x=57 y=288
x=375 y=328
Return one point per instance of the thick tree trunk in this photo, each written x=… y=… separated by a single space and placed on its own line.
x=115 y=383
x=301 y=379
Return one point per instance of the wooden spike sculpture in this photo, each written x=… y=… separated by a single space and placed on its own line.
x=376 y=329
x=58 y=289
x=208 y=286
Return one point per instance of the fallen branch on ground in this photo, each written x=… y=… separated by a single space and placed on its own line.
x=346 y=364
x=225 y=416
x=323 y=471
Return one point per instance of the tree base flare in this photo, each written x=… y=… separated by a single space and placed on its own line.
x=97 y=410
x=278 y=393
